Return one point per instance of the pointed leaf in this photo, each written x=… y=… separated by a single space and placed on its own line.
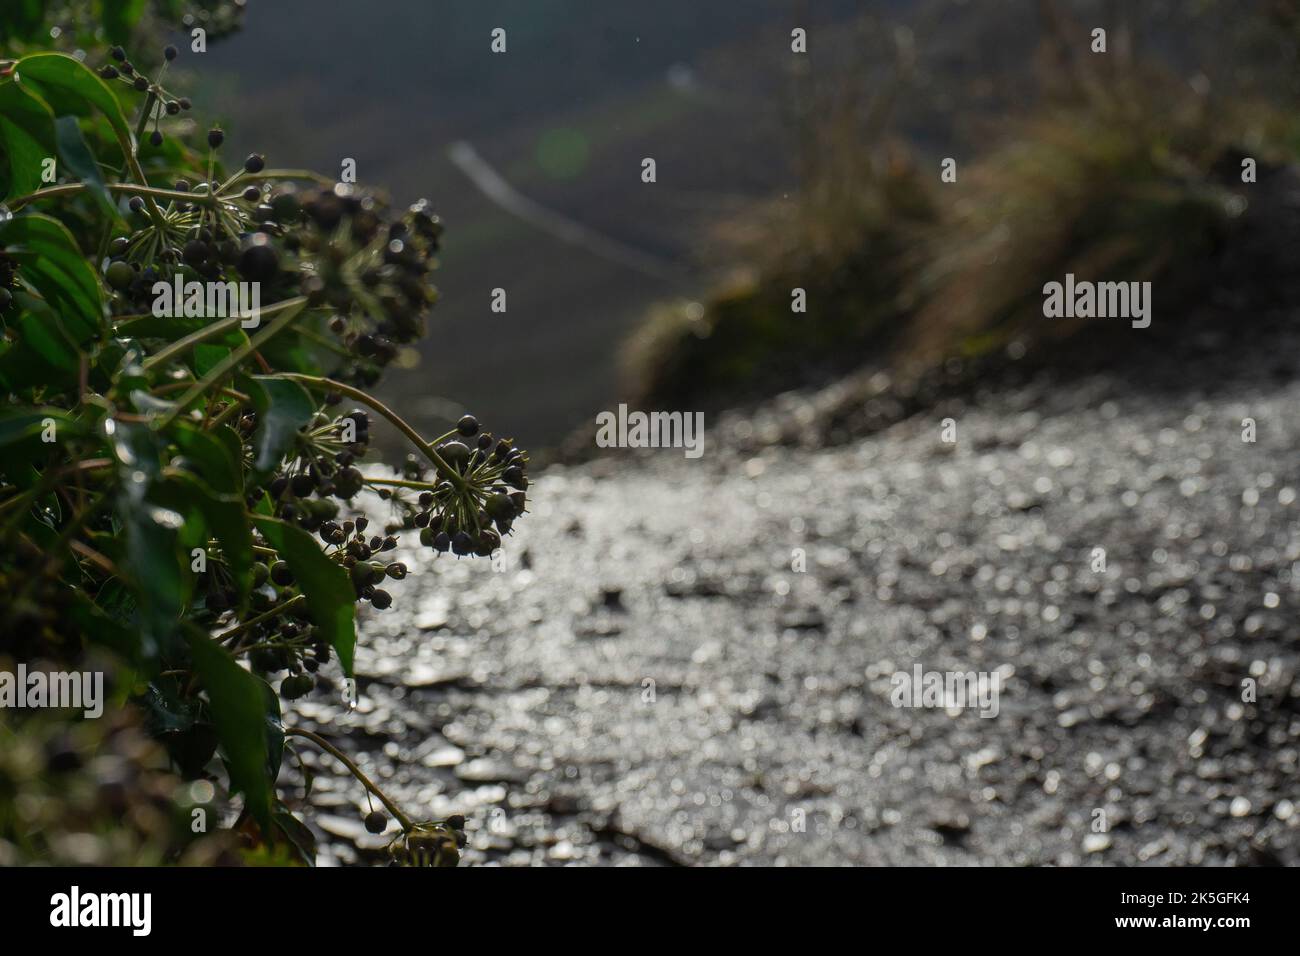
x=238 y=704
x=78 y=158
x=331 y=600
x=283 y=407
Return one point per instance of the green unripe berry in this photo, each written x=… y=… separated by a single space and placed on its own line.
x=454 y=453
x=120 y=275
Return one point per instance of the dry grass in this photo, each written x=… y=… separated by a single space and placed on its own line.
x=1138 y=184
x=1118 y=175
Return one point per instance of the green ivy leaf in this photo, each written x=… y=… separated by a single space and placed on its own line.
x=159 y=327
x=283 y=407
x=223 y=515
x=51 y=263
x=101 y=628
x=72 y=88
x=42 y=352
x=151 y=537
x=299 y=835
x=208 y=356
x=331 y=600
x=23 y=431
x=215 y=454
x=81 y=162
x=274 y=730
x=19 y=425
x=27 y=138
x=238 y=704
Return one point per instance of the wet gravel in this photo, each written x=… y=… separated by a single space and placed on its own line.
x=649 y=681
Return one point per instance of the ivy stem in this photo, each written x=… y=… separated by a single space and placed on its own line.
x=145 y=112
x=224 y=415
x=401 y=483
x=228 y=392
x=130 y=189
x=181 y=346
x=330 y=385
x=356 y=771
x=290 y=174
x=133 y=163
x=289 y=308
x=252 y=622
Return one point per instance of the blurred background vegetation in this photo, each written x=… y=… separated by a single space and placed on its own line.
x=774 y=170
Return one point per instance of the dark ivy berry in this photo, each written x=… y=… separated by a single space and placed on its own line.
x=109 y=72
x=488 y=541
x=467 y=426
x=195 y=252
x=118 y=246
x=462 y=543
x=216 y=138
x=254 y=164
x=252 y=194
x=347 y=482
x=376 y=822
x=156 y=138
x=456 y=821
x=172 y=107
x=302 y=485
x=141 y=84
x=293 y=687
x=286 y=206
x=259 y=262
x=136 y=204
x=281 y=574
x=118 y=54
x=185 y=103
x=170 y=53
x=396 y=571
x=381 y=600
x=442 y=541
x=263 y=660
x=484 y=441
x=6 y=297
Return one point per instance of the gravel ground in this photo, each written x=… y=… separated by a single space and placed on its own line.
x=649 y=680
x=522 y=696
